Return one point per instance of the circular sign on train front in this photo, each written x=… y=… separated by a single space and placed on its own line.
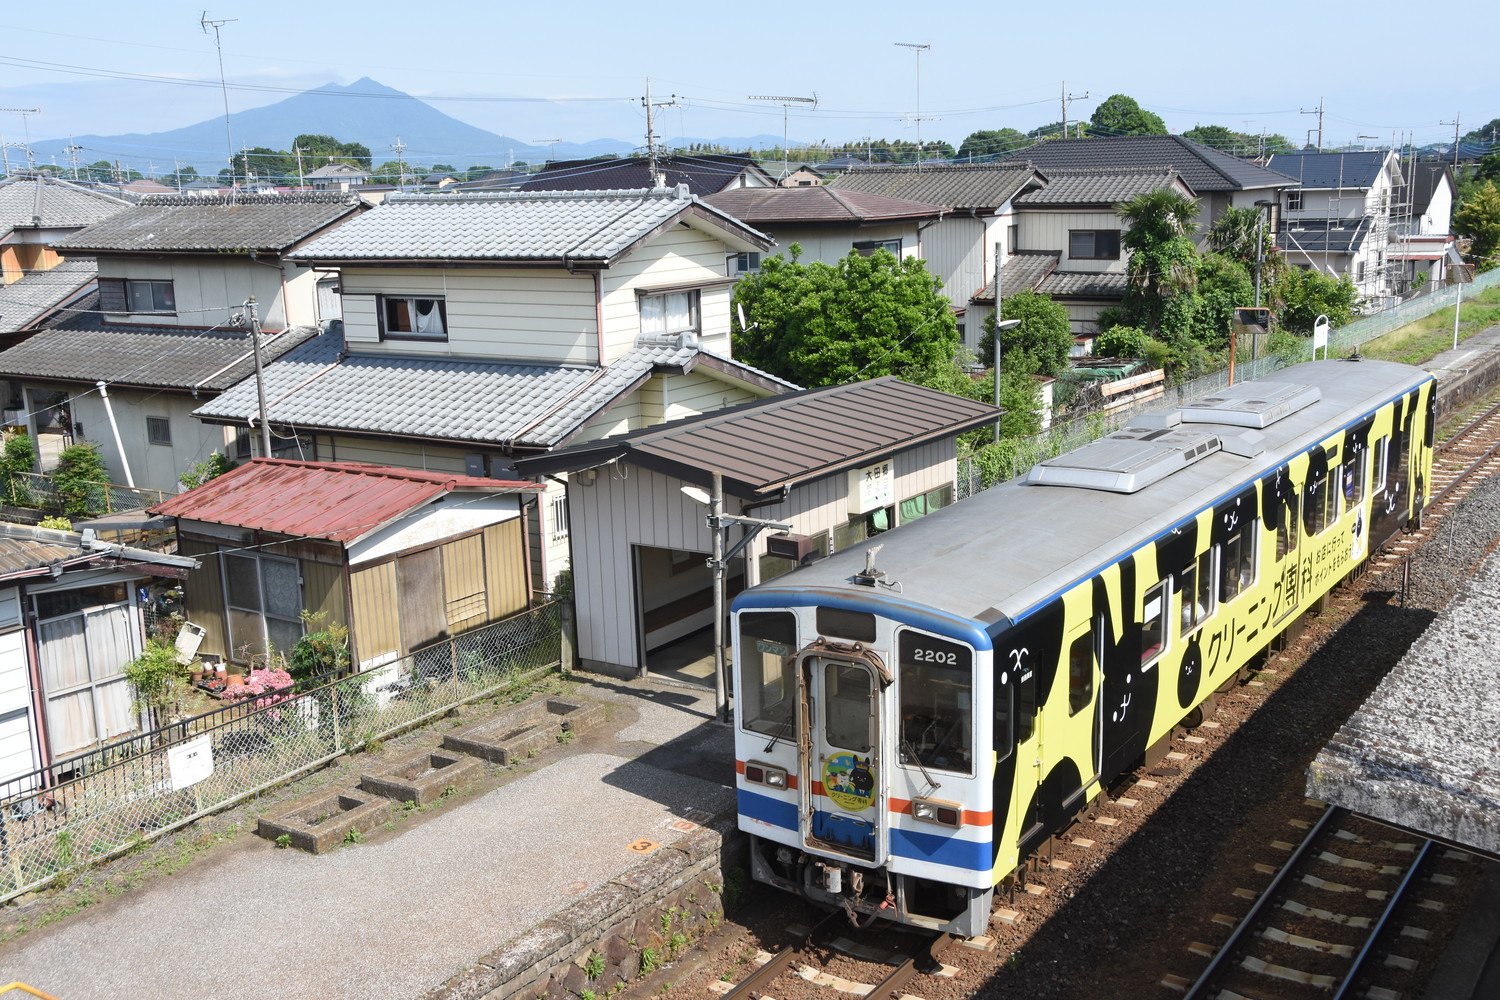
x=848 y=781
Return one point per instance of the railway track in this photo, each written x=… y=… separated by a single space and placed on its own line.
x=806 y=960
x=1334 y=920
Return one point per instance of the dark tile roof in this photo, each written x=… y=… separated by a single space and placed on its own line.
x=60 y=205
x=964 y=185
x=1023 y=270
x=215 y=223
x=1083 y=285
x=762 y=446
x=515 y=403
x=340 y=501
x=1203 y=168
x=1323 y=235
x=82 y=348
x=703 y=174
x=24 y=302
x=1096 y=186
x=1425 y=177
x=1331 y=170
x=768 y=206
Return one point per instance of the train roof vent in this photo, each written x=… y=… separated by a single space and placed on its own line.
x=1250 y=404
x=1127 y=461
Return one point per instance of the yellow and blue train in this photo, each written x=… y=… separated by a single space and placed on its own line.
x=916 y=715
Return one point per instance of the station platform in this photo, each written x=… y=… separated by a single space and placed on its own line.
x=407 y=912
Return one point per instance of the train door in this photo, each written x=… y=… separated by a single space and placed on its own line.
x=1067 y=740
x=1027 y=803
x=842 y=797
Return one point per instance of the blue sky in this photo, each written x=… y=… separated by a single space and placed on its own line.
x=575 y=71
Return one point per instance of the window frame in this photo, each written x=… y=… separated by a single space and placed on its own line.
x=695 y=311
x=744 y=263
x=1294 y=201
x=750 y=698
x=233 y=643
x=116 y=294
x=1204 y=571
x=1245 y=543
x=1093 y=235
x=1326 y=512
x=1080 y=695
x=1382 y=452
x=868 y=248
x=912 y=671
x=1353 y=469
x=159 y=431
x=382 y=303
x=1162 y=632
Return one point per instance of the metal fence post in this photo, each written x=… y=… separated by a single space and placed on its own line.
x=338 y=730
x=566 y=623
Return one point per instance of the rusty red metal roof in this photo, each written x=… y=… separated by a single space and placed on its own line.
x=339 y=501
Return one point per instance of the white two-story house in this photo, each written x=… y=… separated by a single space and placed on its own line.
x=479 y=328
x=169 y=326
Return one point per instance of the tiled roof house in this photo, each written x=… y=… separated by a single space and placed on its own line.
x=168 y=327
x=482 y=327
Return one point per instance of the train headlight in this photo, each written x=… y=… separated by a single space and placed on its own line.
x=765 y=774
x=935 y=811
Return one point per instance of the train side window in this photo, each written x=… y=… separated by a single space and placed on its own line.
x=1287 y=532
x=937 y=702
x=1196 y=584
x=1025 y=705
x=1154 y=623
x=1004 y=721
x=1382 y=464
x=767 y=690
x=1080 y=673
x=1353 y=475
x=1325 y=505
x=1237 y=563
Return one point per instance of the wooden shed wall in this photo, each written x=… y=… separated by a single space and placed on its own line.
x=203 y=593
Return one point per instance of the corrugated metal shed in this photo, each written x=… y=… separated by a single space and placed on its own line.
x=763 y=446
x=339 y=501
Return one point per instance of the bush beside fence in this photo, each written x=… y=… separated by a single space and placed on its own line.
x=95 y=805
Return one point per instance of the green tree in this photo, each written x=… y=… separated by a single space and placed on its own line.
x=1236 y=233
x=1487 y=133
x=1478 y=219
x=1223 y=284
x=1121 y=342
x=1163 y=265
x=320 y=150
x=79 y=467
x=823 y=324
x=1121 y=115
x=1040 y=344
x=17 y=462
x=1217 y=136
x=989 y=142
x=1300 y=297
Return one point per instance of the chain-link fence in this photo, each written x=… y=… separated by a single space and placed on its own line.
x=91 y=806
x=38 y=492
x=1065 y=436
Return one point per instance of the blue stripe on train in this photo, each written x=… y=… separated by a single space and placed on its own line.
x=941 y=849
x=768 y=810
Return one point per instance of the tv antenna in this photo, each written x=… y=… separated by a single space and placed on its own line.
x=811 y=103
x=918 y=48
x=25 y=114
x=206 y=23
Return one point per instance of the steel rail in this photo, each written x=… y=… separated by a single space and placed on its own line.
x=1397 y=896
x=1200 y=988
x=890 y=987
x=779 y=963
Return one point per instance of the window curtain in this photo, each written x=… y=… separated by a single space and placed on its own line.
x=426 y=316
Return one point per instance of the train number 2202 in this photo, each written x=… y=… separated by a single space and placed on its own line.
x=944 y=656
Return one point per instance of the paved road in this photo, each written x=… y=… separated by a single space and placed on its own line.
x=397 y=918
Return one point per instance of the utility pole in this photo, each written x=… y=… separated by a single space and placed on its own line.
x=1319 y=113
x=1454 y=123
x=653 y=157
x=260 y=377
x=400 y=148
x=301 y=180
x=1068 y=99
x=73 y=149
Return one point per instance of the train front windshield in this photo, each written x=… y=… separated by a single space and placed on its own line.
x=937 y=702
x=768 y=689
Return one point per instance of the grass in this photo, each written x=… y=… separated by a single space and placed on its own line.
x=1417 y=342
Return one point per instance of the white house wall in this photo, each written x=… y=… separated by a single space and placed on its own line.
x=207 y=290
x=544 y=315
x=956 y=252
x=830 y=245
x=627 y=506
x=153 y=466
x=455 y=513
x=680 y=256
x=1048 y=230
x=18 y=736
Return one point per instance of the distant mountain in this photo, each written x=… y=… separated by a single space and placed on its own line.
x=366 y=112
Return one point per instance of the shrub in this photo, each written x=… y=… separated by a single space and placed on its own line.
x=78 y=467
x=320 y=652
x=18 y=459
x=153 y=676
x=273 y=683
x=1121 y=342
x=55 y=523
x=201 y=472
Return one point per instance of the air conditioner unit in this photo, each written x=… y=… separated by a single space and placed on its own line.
x=789 y=546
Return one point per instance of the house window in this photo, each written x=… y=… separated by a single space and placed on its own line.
x=1359 y=272
x=560 y=516
x=133 y=295
x=744 y=263
x=861 y=526
x=925 y=503
x=1294 y=201
x=159 y=430
x=668 y=314
x=409 y=318
x=262 y=602
x=1094 y=244
x=867 y=248
x=84 y=639
x=1012 y=239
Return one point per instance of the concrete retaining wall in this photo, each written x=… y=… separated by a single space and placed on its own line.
x=620 y=920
